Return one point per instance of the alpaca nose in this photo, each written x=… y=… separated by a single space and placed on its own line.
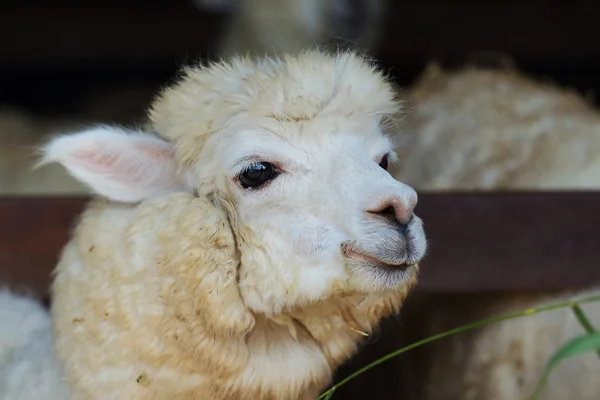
x=397 y=209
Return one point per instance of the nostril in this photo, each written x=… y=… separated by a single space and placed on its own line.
x=388 y=213
x=394 y=212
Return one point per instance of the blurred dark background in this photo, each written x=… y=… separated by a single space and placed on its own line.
x=73 y=56
x=104 y=60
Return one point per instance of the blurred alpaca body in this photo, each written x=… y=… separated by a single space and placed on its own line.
x=480 y=129
x=288 y=26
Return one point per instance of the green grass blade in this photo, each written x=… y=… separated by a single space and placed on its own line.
x=574 y=347
x=583 y=319
x=584 y=322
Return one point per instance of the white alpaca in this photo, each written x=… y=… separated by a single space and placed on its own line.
x=481 y=129
x=288 y=26
x=244 y=249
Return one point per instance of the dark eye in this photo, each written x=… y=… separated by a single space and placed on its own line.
x=384 y=162
x=257 y=175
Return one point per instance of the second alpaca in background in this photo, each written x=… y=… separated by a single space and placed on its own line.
x=288 y=26
x=496 y=130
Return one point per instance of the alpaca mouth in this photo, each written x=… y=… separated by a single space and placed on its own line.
x=351 y=252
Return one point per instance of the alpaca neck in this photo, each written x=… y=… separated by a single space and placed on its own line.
x=297 y=351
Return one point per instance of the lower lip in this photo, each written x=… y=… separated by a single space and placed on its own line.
x=372 y=260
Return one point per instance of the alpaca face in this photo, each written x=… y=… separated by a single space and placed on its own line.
x=313 y=209
x=316 y=213
x=293 y=150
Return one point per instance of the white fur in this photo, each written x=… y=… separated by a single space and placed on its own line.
x=28 y=368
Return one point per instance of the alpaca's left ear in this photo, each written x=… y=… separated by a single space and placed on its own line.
x=120 y=164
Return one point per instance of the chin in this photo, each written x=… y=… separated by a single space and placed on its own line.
x=371 y=278
x=370 y=274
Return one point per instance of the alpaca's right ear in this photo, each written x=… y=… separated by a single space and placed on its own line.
x=122 y=165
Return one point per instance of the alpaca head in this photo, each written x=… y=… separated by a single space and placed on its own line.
x=294 y=150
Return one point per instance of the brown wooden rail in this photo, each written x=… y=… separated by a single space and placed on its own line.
x=478 y=241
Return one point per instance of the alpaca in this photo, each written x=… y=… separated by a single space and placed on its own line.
x=487 y=129
x=243 y=245
x=288 y=26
